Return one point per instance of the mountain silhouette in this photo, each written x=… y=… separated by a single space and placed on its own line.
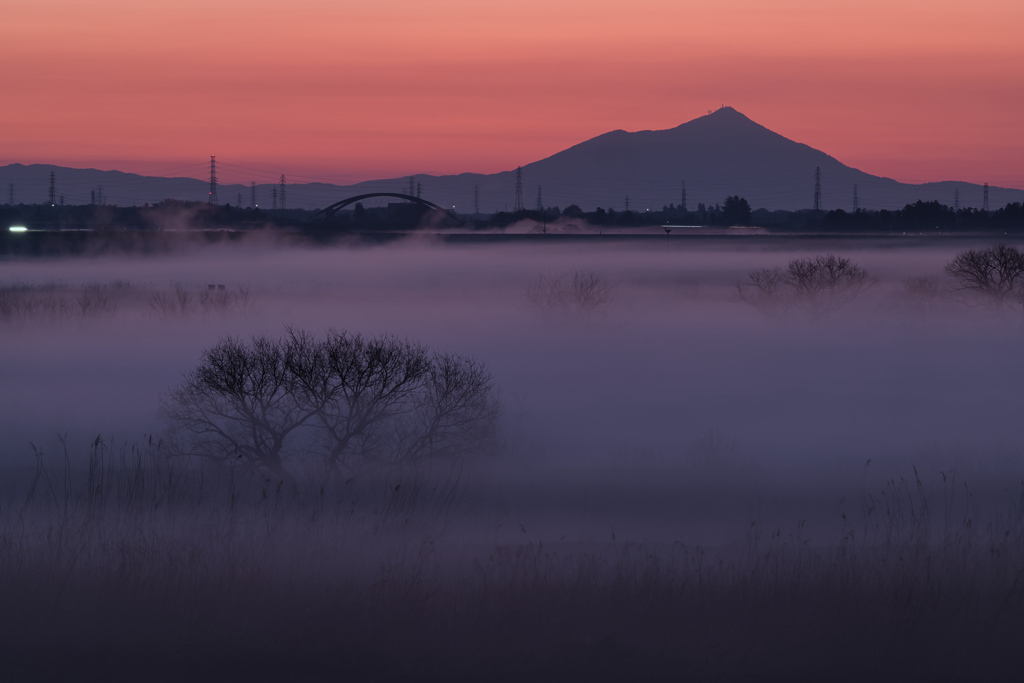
x=723 y=153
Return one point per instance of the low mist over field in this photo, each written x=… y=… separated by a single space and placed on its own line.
x=654 y=417
x=670 y=354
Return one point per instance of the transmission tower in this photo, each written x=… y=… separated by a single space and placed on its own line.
x=252 y=189
x=99 y=195
x=540 y=201
x=419 y=190
x=518 y=206
x=412 y=185
x=476 y=200
x=92 y=197
x=53 y=189
x=282 y=202
x=682 y=198
x=273 y=193
x=817 y=189
x=956 y=199
x=10 y=188
x=213 y=181
x=984 y=199
x=856 y=199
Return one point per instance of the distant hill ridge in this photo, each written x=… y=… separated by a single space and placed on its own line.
x=720 y=154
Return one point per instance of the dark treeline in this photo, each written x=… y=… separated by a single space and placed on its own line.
x=736 y=211
x=732 y=211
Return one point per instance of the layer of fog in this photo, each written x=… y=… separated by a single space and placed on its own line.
x=674 y=400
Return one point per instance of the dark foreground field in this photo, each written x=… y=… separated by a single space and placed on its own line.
x=136 y=570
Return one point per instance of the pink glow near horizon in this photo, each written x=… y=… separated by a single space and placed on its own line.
x=343 y=91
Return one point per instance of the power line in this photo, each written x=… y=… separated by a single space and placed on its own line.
x=856 y=199
x=273 y=193
x=213 y=181
x=476 y=200
x=984 y=199
x=252 y=187
x=10 y=188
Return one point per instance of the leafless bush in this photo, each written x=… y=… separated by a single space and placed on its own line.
x=182 y=301
x=919 y=294
x=996 y=273
x=576 y=294
x=816 y=286
x=60 y=301
x=95 y=300
x=347 y=400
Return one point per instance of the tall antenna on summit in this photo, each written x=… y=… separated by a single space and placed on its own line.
x=518 y=206
x=817 y=188
x=213 y=181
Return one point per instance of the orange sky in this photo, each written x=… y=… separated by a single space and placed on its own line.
x=339 y=90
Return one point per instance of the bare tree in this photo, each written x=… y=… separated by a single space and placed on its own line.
x=996 y=273
x=816 y=286
x=457 y=410
x=355 y=386
x=575 y=294
x=237 y=405
x=765 y=290
x=343 y=401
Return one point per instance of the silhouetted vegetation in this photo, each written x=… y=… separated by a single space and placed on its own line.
x=920 y=217
x=817 y=286
x=575 y=295
x=996 y=273
x=335 y=404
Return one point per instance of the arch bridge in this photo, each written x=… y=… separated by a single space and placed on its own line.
x=324 y=215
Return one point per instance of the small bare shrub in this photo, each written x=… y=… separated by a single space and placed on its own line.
x=24 y=303
x=576 y=294
x=816 y=286
x=182 y=301
x=919 y=294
